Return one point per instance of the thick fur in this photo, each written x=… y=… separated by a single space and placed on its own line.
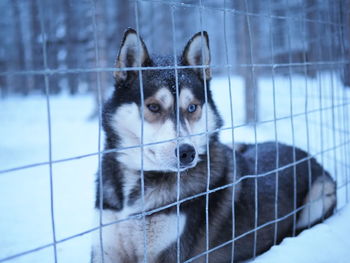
x=122 y=170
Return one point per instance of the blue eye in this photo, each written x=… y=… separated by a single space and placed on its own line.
x=154 y=107
x=192 y=108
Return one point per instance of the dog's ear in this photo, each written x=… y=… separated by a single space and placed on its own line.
x=197 y=53
x=132 y=53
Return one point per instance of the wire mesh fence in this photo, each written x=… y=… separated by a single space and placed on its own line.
x=280 y=73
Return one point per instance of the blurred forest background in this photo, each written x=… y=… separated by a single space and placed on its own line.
x=276 y=32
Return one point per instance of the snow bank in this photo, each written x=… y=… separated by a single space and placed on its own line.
x=323 y=243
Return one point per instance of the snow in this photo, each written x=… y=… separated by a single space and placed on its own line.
x=25 y=193
x=324 y=243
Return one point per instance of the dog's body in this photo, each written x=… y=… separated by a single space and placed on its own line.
x=174 y=158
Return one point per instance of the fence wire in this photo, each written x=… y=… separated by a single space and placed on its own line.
x=337 y=127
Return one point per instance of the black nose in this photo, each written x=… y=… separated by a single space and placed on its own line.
x=187 y=154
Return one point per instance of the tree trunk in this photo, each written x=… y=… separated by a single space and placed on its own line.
x=312 y=33
x=36 y=50
x=245 y=57
x=17 y=86
x=71 y=45
x=346 y=42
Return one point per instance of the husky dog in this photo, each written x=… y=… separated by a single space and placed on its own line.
x=162 y=147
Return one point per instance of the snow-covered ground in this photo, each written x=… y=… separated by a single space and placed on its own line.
x=25 y=217
x=25 y=220
x=324 y=243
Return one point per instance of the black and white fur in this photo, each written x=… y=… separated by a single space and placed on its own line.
x=121 y=170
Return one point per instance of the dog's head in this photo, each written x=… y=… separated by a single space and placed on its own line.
x=171 y=115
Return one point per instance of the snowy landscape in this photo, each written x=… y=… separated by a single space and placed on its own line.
x=25 y=220
x=297 y=49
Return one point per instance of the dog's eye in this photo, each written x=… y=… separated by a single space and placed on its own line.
x=192 y=108
x=154 y=107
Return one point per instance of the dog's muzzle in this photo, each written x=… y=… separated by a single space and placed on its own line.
x=187 y=154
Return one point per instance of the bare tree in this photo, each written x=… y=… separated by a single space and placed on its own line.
x=18 y=34
x=245 y=57
x=71 y=44
x=346 y=42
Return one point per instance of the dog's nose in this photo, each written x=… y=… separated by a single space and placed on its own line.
x=187 y=154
